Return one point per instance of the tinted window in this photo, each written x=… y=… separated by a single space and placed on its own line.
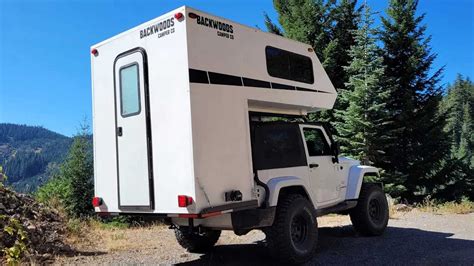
x=129 y=90
x=287 y=65
x=277 y=146
x=316 y=142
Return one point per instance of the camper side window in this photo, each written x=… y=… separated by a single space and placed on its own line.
x=287 y=65
x=129 y=90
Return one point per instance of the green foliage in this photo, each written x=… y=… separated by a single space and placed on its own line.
x=27 y=154
x=359 y=123
x=303 y=20
x=414 y=138
x=55 y=192
x=458 y=107
x=3 y=177
x=78 y=169
x=271 y=27
x=72 y=188
x=14 y=228
x=455 y=178
x=344 y=17
x=117 y=222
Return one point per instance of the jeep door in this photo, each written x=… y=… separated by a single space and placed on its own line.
x=325 y=178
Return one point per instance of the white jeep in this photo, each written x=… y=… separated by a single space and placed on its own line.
x=299 y=177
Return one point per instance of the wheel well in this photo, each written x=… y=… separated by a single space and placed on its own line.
x=367 y=183
x=371 y=177
x=293 y=190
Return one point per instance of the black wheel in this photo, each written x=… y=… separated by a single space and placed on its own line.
x=196 y=242
x=293 y=236
x=370 y=216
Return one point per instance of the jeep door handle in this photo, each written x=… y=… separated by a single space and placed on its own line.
x=313 y=165
x=119 y=131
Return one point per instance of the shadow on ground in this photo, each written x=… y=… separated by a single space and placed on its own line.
x=342 y=245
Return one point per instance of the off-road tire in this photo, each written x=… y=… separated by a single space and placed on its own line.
x=195 y=242
x=287 y=242
x=370 y=216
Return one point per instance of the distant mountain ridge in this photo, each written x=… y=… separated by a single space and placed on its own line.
x=29 y=154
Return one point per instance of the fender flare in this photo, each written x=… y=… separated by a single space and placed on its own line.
x=355 y=178
x=278 y=183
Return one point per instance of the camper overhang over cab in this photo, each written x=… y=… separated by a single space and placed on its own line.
x=171 y=105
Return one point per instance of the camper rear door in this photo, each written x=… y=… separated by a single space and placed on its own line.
x=133 y=146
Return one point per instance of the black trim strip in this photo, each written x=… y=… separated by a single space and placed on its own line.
x=224 y=79
x=201 y=76
x=232 y=206
x=256 y=83
x=198 y=76
x=303 y=89
x=282 y=86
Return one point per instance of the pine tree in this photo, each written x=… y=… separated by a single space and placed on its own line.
x=307 y=21
x=78 y=170
x=365 y=98
x=416 y=142
x=458 y=106
x=345 y=17
x=455 y=179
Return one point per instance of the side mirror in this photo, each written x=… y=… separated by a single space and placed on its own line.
x=336 y=149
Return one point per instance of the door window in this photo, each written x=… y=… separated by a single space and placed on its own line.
x=316 y=142
x=129 y=90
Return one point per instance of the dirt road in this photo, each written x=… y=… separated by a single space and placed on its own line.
x=414 y=238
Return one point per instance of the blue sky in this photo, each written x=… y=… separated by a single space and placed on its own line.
x=44 y=47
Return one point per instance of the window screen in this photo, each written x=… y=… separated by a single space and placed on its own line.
x=277 y=146
x=129 y=90
x=287 y=65
x=316 y=142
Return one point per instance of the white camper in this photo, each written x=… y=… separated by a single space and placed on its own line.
x=181 y=108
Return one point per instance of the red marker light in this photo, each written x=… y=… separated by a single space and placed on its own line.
x=192 y=15
x=95 y=52
x=96 y=201
x=184 y=201
x=178 y=16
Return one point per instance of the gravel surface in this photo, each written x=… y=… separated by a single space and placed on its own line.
x=414 y=238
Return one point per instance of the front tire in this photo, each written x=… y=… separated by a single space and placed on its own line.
x=370 y=216
x=196 y=242
x=294 y=233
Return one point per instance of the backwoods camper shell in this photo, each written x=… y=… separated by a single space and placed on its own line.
x=171 y=104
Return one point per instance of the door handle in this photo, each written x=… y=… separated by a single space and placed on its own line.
x=313 y=165
x=119 y=131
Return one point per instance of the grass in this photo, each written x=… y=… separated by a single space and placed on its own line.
x=452 y=207
x=114 y=234
x=392 y=212
x=433 y=206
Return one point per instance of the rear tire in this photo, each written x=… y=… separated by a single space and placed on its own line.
x=294 y=234
x=196 y=242
x=370 y=216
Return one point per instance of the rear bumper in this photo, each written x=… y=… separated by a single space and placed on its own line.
x=205 y=213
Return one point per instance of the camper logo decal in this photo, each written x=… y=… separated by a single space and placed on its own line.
x=224 y=30
x=162 y=28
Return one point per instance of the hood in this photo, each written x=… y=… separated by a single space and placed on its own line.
x=348 y=161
